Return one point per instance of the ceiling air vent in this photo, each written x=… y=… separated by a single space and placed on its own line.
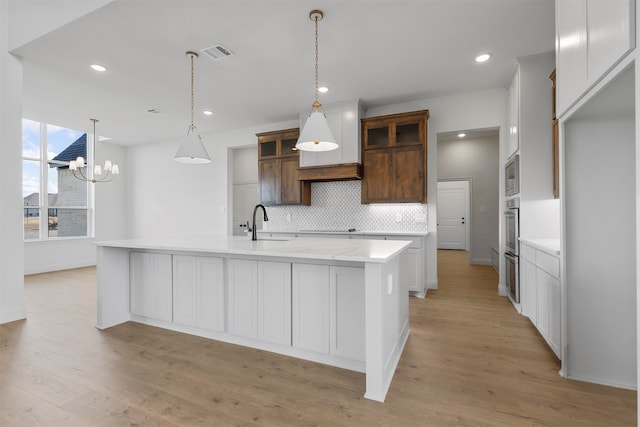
x=217 y=52
x=156 y=112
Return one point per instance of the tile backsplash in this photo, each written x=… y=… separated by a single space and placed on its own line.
x=336 y=206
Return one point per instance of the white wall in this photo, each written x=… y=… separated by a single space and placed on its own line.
x=539 y=211
x=599 y=237
x=478 y=159
x=167 y=198
x=32 y=19
x=12 y=305
x=476 y=110
x=245 y=165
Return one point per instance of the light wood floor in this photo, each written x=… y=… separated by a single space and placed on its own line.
x=470 y=360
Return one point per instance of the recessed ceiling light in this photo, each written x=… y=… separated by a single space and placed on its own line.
x=483 y=58
x=207 y=113
x=98 y=67
x=462 y=135
x=323 y=89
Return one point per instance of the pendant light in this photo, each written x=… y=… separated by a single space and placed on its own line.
x=316 y=134
x=91 y=171
x=192 y=149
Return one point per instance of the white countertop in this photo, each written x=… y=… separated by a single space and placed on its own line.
x=358 y=250
x=345 y=232
x=551 y=246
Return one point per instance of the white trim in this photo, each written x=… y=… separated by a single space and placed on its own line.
x=13 y=315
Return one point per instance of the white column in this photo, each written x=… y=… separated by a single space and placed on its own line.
x=12 y=305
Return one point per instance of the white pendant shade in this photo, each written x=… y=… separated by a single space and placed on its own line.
x=316 y=134
x=192 y=149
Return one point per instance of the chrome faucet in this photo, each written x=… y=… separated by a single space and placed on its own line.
x=254 y=236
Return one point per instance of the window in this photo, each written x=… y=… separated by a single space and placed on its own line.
x=55 y=202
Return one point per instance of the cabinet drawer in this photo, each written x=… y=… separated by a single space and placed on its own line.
x=548 y=263
x=528 y=252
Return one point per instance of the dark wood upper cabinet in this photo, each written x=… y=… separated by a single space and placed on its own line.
x=278 y=170
x=394 y=152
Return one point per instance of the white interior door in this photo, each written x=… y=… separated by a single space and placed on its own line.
x=453 y=215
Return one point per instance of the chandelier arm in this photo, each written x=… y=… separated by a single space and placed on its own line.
x=84 y=177
x=77 y=177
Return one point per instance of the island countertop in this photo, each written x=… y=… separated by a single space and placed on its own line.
x=360 y=250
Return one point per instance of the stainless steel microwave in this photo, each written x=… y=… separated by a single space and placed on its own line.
x=512 y=176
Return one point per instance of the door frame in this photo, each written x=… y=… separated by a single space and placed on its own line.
x=469 y=181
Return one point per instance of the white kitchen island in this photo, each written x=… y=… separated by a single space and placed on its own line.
x=334 y=301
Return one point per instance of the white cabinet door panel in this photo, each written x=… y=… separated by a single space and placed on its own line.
x=243 y=298
x=543 y=279
x=274 y=302
x=554 y=339
x=571 y=22
x=609 y=35
x=151 y=285
x=412 y=273
x=210 y=306
x=347 y=312
x=198 y=291
x=528 y=290
x=310 y=306
x=185 y=292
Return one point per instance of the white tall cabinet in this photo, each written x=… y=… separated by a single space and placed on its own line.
x=597 y=93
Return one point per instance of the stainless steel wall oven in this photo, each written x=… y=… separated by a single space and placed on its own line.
x=512 y=247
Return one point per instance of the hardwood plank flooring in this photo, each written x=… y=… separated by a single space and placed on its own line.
x=471 y=360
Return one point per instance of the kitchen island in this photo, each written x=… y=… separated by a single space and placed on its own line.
x=334 y=301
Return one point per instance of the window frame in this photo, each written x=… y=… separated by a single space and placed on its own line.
x=43 y=190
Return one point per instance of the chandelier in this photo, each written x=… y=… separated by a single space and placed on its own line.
x=85 y=172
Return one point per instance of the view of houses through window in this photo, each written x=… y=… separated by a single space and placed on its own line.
x=55 y=201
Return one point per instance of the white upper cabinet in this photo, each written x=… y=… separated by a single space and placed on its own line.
x=591 y=37
x=610 y=34
x=513 y=142
x=344 y=121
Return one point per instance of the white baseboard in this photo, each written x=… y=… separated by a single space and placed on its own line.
x=502 y=291
x=480 y=261
x=57 y=267
x=432 y=284
x=12 y=315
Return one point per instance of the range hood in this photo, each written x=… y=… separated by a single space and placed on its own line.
x=337 y=172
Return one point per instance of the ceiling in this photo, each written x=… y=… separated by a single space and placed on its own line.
x=382 y=52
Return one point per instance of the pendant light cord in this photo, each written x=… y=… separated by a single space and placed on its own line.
x=316 y=21
x=192 y=91
x=93 y=151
